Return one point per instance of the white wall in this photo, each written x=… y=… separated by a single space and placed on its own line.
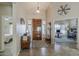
x=17 y=14
x=5 y=10
x=49 y=18
x=73 y=13
x=20 y=12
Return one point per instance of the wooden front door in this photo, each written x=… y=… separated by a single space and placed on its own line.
x=37 y=29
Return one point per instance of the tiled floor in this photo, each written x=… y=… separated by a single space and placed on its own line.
x=40 y=48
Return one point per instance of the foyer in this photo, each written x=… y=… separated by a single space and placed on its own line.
x=39 y=29
x=41 y=48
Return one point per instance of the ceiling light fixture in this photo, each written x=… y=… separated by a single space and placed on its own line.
x=38 y=11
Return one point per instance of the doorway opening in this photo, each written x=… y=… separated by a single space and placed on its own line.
x=66 y=32
x=37 y=29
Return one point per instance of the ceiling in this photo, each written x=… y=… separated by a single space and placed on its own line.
x=32 y=6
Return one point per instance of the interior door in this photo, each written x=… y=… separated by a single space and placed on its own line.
x=37 y=29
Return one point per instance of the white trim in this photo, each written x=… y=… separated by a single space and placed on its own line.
x=18 y=52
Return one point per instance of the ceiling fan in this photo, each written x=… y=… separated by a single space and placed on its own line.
x=63 y=9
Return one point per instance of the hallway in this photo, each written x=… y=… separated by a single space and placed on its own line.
x=40 y=48
x=40 y=44
x=32 y=24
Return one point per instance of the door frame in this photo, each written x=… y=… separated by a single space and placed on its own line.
x=65 y=20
